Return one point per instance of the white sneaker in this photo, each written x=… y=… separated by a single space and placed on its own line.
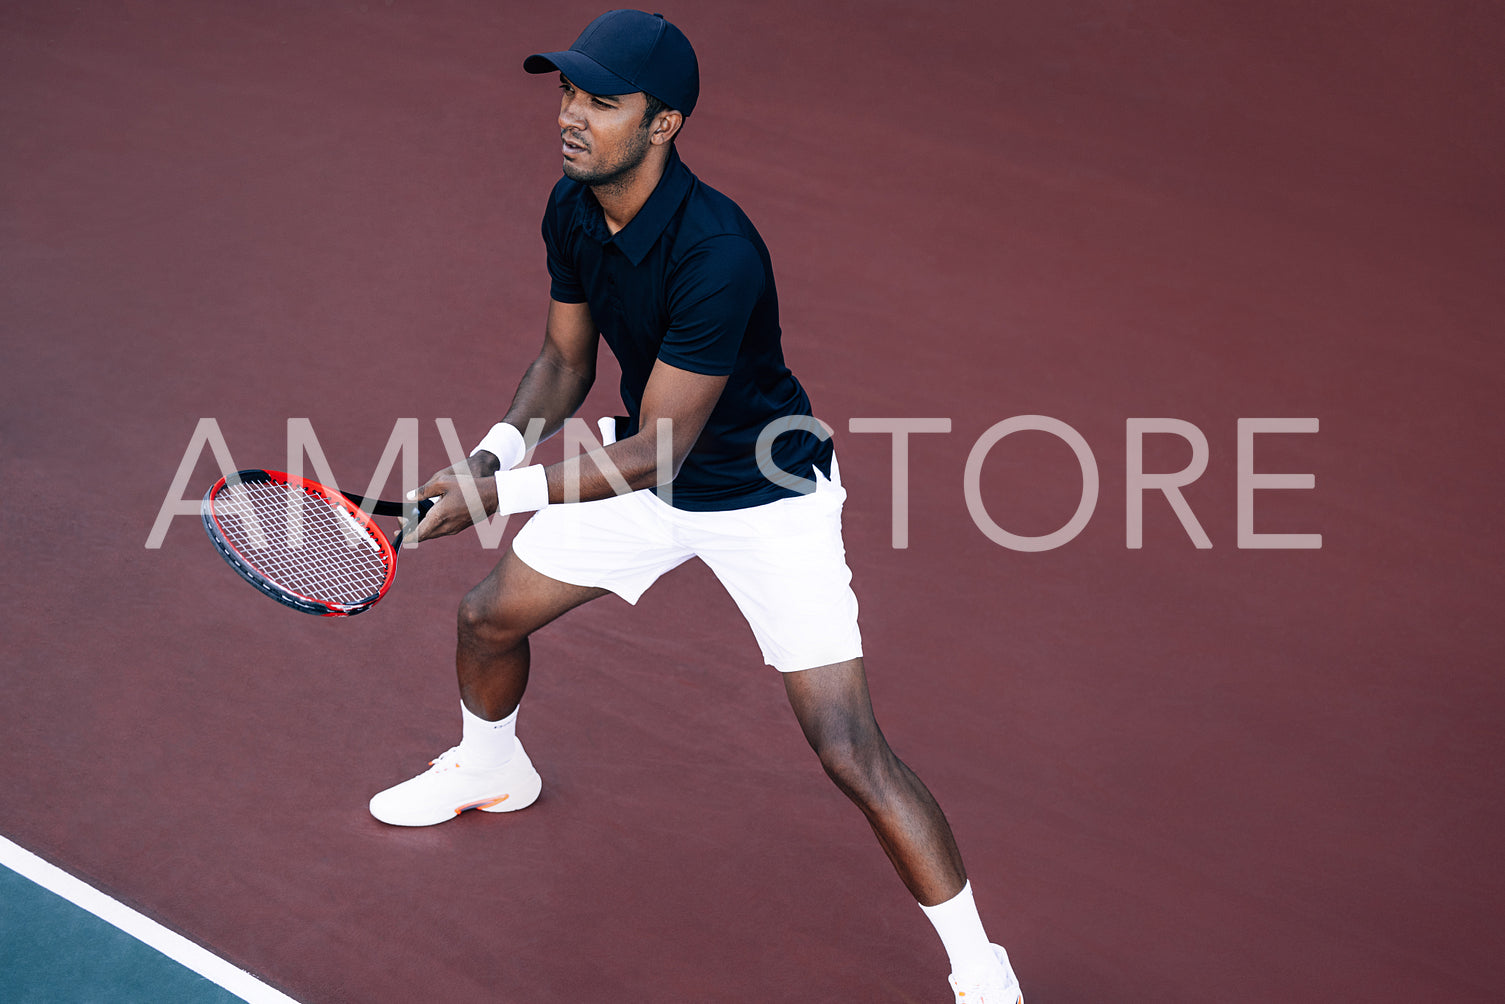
x=448 y=788
x=1000 y=986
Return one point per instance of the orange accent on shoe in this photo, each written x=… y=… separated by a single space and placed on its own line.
x=485 y=803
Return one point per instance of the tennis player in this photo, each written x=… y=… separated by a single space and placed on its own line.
x=720 y=460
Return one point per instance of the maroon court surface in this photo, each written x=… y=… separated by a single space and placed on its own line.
x=1176 y=774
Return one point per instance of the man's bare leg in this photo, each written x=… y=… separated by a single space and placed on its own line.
x=836 y=714
x=495 y=620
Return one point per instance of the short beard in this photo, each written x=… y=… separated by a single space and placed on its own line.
x=614 y=176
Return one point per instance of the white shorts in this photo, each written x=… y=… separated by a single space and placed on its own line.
x=783 y=563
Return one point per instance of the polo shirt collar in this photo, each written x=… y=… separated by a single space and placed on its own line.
x=637 y=238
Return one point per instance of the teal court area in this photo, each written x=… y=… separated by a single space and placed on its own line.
x=53 y=950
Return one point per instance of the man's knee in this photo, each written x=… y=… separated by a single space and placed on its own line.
x=483 y=616
x=860 y=766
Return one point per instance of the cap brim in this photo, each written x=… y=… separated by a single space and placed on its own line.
x=583 y=71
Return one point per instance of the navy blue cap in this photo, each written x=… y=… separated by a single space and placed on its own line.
x=625 y=51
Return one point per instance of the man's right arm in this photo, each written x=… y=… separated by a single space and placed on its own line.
x=552 y=389
x=555 y=385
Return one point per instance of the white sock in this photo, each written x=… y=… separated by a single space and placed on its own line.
x=486 y=744
x=960 y=928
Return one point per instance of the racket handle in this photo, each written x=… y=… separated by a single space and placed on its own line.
x=381 y=507
x=417 y=510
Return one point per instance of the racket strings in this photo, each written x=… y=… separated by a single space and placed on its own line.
x=302 y=541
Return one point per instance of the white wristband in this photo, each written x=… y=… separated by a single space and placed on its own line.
x=505 y=443
x=525 y=489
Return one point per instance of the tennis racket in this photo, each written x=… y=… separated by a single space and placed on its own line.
x=306 y=546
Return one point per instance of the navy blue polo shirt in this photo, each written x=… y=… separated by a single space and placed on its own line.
x=689 y=281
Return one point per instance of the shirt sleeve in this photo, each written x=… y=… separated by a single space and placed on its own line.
x=564 y=282
x=712 y=295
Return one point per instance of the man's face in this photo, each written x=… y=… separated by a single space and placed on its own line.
x=604 y=135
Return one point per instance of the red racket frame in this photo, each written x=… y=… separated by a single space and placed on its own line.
x=355 y=505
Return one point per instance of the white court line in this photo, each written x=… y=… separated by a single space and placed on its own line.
x=176 y=947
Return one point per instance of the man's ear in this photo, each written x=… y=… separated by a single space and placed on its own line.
x=665 y=127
